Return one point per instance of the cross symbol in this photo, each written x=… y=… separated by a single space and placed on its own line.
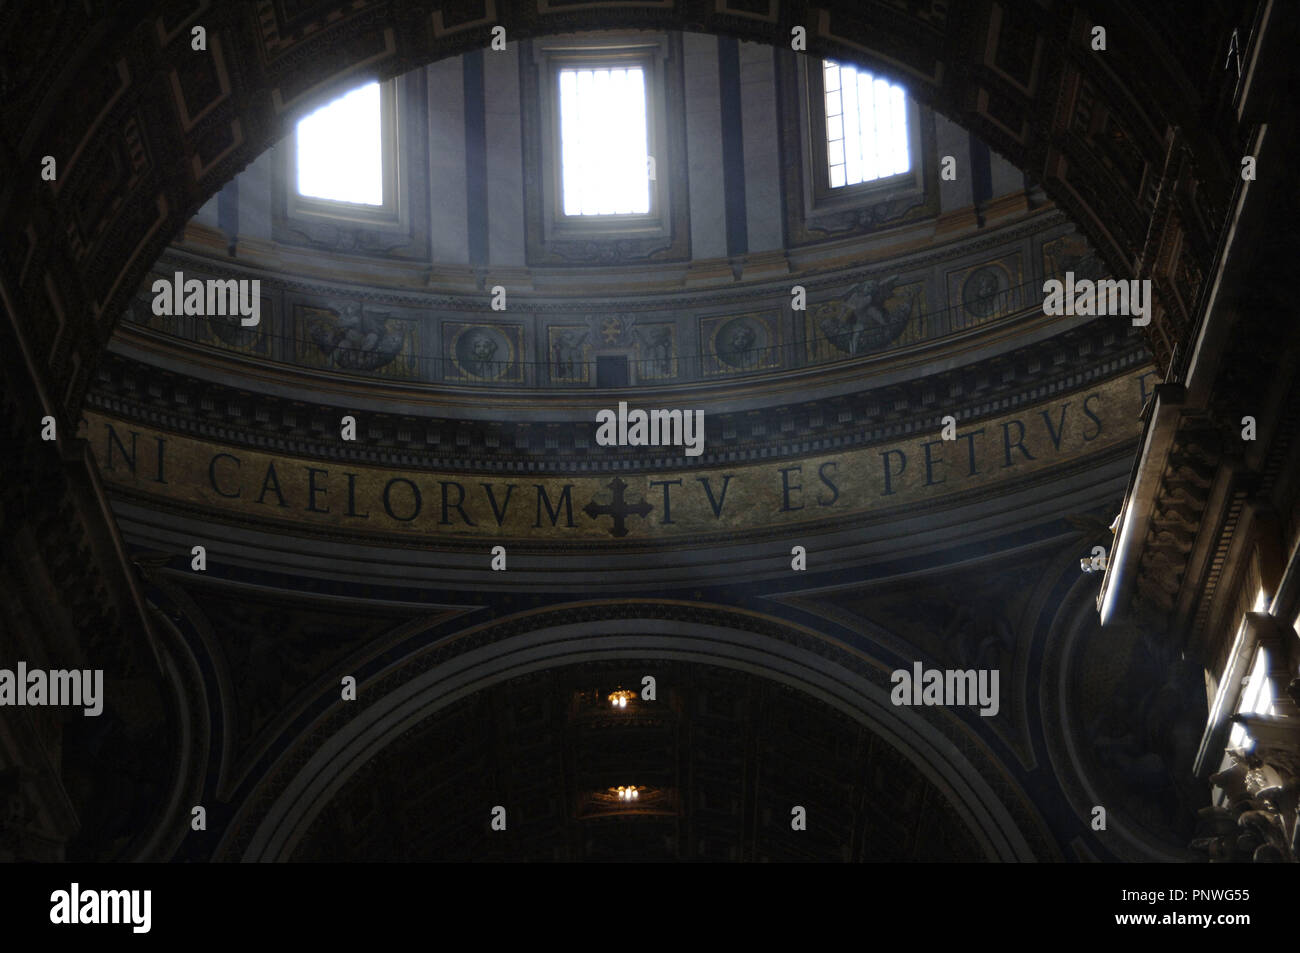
x=618 y=508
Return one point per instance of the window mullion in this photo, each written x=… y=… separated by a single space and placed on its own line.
x=866 y=126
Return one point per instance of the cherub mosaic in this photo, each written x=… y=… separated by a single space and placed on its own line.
x=873 y=315
x=483 y=352
x=736 y=343
x=354 y=337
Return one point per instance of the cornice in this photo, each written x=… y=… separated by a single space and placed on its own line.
x=304 y=427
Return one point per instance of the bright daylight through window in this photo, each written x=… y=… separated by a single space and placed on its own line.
x=340 y=150
x=1256 y=697
x=603 y=141
x=866 y=126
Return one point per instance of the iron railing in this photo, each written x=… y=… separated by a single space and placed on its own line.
x=824 y=338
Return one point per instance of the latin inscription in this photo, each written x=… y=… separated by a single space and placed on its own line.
x=250 y=483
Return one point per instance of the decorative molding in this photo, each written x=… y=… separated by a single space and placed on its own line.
x=180 y=404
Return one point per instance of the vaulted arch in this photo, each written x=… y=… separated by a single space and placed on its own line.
x=323 y=758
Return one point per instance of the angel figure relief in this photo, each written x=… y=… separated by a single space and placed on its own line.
x=357 y=341
x=870 y=316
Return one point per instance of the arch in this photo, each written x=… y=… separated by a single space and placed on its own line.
x=145 y=129
x=351 y=739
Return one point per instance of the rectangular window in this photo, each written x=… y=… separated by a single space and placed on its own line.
x=866 y=126
x=340 y=150
x=602 y=123
x=342 y=160
x=351 y=173
x=604 y=154
x=1256 y=697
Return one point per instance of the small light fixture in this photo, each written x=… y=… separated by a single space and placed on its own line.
x=628 y=793
x=620 y=698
